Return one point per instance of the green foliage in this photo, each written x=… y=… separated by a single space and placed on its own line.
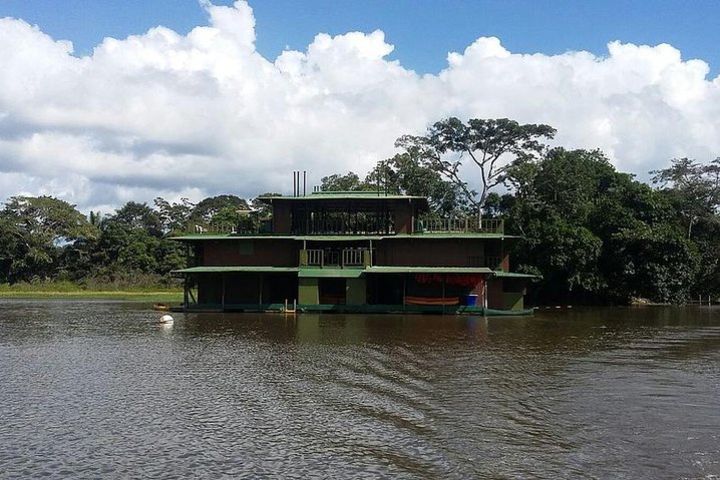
x=33 y=232
x=206 y=211
x=174 y=217
x=488 y=143
x=343 y=183
x=406 y=174
x=597 y=234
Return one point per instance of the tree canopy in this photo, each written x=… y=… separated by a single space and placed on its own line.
x=490 y=145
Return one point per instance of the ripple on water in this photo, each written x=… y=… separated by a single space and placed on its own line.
x=96 y=390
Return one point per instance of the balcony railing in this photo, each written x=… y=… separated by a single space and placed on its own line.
x=346 y=257
x=459 y=225
x=264 y=227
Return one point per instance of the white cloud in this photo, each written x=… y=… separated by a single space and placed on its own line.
x=165 y=114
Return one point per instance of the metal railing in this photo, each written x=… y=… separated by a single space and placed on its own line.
x=353 y=257
x=347 y=257
x=213 y=228
x=262 y=227
x=315 y=257
x=459 y=225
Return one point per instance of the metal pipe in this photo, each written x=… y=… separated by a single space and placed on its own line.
x=304 y=181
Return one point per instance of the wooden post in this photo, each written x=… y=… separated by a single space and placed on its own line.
x=185 y=293
x=485 y=294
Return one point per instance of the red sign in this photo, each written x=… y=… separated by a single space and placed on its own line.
x=463 y=280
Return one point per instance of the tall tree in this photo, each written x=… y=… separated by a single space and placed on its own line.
x=490 y=144
x=173 y=216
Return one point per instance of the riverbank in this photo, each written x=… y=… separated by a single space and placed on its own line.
x=67 y=290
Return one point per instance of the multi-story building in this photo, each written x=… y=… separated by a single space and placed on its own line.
x=353 y=252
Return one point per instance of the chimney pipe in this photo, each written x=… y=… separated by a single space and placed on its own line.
x=304 y=182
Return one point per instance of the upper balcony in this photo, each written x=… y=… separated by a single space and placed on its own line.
x=359 y=224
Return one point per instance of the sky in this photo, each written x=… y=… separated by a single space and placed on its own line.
x=103 y=102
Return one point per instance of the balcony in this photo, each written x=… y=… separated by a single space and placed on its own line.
x=339 y=258
x=459 y=225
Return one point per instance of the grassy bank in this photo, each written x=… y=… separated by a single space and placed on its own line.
x=72 y=290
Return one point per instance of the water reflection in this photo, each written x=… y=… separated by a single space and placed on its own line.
x=92 y=389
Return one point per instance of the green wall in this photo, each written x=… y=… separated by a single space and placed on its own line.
x=356 y=291
x=308 y=291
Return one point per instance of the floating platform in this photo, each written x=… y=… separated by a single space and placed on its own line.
x=375 y=309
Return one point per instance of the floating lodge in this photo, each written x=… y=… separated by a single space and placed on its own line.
x=353 y=252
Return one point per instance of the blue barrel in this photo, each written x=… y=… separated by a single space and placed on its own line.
x=471 y=300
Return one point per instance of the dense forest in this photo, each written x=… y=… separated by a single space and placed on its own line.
x=594 y=234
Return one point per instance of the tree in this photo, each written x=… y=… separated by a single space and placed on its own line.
x=173 y=216
x=35 y=230
x=139 y=216
x=343 y=183
x=695 y=188
x=206 y=210
x=406 y=174
x=595 y=234
x=489 y=143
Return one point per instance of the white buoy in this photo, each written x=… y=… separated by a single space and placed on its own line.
x=167 y=319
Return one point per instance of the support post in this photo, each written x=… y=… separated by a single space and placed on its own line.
x=185 y=293
x=485 y=294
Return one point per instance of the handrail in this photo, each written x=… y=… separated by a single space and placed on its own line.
x=346 y=257
x=459 y=225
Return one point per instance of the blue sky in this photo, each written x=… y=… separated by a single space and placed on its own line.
x=422 y=31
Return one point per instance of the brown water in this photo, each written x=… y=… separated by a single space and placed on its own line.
x=96 y=389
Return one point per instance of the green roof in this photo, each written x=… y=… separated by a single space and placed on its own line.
x=394 y=269
x=330 y=272
x=236 y=269
x=501 y=274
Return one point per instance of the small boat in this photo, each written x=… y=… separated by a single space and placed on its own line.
x=163 y=307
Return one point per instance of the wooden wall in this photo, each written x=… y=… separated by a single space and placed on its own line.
x=266 y=252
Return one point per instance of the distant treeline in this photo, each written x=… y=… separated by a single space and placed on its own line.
x=595 y=235
x=46 y=239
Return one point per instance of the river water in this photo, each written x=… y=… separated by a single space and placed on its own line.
x=97 y=389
